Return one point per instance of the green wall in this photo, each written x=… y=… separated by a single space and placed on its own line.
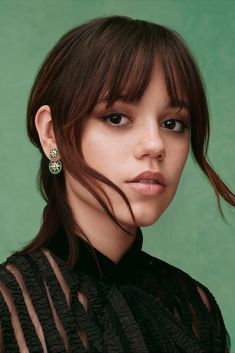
x=191 y=234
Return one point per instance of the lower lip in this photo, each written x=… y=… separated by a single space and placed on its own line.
x=147 y=189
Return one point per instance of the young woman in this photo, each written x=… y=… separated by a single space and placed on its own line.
x=113 y=110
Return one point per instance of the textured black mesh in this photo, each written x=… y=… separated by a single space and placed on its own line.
x=140 y=305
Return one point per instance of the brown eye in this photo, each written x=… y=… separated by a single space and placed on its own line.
x=170 y=124
x=115 y=119
x=174 y=124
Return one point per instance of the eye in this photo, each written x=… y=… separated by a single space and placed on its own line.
x=174 y=125
x=115 y=119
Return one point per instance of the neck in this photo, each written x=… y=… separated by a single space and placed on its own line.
x=103 y=234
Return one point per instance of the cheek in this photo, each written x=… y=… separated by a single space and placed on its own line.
x=93 y=148
x=103 y=151
x=179 y=157
x=182 y=157
x=185 y=151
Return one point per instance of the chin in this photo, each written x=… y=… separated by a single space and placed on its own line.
x=146 y=221
x=146 y=214
x=149 y=214
x=143 y=219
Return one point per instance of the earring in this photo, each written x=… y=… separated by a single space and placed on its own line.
x=55 y=166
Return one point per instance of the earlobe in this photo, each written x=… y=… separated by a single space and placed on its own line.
x=44 y=126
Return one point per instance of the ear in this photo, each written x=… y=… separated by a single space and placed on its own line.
x=43 y=123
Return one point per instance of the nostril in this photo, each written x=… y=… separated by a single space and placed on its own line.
x=151 y=149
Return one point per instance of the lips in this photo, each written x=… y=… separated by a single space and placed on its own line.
x=149 y=177
x=148 y=183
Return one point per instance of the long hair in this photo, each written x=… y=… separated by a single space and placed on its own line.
x=112 y=57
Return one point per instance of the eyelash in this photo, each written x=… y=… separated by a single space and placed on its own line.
x=110 y=115
x=184 y=124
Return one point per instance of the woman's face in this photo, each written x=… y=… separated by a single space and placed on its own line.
x=126 y=140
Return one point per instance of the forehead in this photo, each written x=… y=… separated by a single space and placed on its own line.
x=156 y=86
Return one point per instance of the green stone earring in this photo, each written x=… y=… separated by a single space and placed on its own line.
x=55 y=166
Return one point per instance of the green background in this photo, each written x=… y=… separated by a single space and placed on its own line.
x=191 y=234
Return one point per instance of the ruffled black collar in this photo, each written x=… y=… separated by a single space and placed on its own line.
x=107 y=271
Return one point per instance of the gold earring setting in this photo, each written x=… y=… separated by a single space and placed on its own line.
x=55 y=166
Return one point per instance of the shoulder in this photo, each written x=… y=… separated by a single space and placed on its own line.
x=178 y=280
x=30 y=277
x=32 y=288
x=162 y=268
x=37 y=266
x=35 y=297
x=190 y=300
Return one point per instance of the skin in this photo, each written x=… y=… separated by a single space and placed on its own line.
x=140 y=137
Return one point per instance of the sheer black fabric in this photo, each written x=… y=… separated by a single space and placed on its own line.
x=140 y=305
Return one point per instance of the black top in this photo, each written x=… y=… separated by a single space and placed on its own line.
x=140 y=305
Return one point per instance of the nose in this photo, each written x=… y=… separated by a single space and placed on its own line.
x=150 y=144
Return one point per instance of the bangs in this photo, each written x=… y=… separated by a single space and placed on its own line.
x=131 y=62
x=114 y=59
x=124 y=67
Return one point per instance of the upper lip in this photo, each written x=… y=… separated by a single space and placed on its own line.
x=149 y=175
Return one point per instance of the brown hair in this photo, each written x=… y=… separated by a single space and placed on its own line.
x=111 y=56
